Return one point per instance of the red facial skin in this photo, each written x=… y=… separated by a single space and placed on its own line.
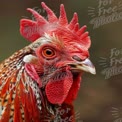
x=62 y=86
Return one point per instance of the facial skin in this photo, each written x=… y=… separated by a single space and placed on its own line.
x=58 y=69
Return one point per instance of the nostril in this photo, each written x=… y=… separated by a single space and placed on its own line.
x=76 y=58
x=72 y=65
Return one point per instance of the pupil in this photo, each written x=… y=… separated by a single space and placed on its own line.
x=48 y=52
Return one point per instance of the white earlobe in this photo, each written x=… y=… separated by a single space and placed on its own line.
x=30 y=59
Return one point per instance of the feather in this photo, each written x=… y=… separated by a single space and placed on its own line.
x=16 y=91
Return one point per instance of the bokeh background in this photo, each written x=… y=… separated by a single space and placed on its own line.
x=99 y=99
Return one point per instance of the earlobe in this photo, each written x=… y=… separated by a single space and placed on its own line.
x=30 y=59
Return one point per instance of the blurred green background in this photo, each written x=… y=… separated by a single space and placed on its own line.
x=99 y=99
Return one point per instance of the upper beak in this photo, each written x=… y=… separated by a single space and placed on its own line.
x=85 y=65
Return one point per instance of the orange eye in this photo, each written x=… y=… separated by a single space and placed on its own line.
x=48 y=53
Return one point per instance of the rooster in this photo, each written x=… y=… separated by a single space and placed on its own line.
x=40 y=82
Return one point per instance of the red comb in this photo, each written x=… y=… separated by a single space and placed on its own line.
x=32 y=30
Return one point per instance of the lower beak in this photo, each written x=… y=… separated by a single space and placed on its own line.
x=85 y=65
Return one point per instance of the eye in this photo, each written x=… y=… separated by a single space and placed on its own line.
x=48 y=52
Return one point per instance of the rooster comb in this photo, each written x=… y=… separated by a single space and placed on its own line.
x=33 y=29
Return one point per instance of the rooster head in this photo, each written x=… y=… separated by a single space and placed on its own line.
x=60 y=54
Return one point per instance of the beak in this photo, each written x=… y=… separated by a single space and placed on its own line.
x=85 y=65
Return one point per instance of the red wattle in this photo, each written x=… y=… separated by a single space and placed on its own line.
x=57 y=91
x=73 y=90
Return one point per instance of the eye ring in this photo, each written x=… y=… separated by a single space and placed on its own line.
x=48 y=53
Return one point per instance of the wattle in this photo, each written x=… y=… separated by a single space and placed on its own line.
x=74 y=89
x=58 y=89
